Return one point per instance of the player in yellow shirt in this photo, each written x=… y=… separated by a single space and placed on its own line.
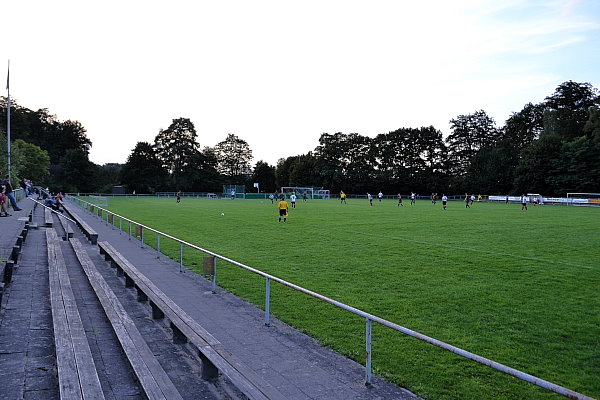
x=283 y=209
x=343 y=197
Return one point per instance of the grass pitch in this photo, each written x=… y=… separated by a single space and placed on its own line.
x=519 y=287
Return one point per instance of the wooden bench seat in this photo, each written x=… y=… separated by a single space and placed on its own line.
x=213 y=355
x=152 y=377
x=87 y=230
x=66 y=225
x=47 y=218
x=77 y=374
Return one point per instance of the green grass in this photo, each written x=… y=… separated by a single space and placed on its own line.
x=521 y=288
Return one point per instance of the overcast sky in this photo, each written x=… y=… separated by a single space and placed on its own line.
x=279 y=73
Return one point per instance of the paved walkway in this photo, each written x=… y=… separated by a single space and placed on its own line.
x=27 y=361
x=290 y=360
x=11 y=227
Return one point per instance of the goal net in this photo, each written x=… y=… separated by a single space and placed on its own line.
x=234 y=191
x=310 y=191
x=583 y=199
x=101 y=201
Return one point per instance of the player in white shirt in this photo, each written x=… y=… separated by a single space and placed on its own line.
x=370 y=199
x=293 y=200
x=444 y=201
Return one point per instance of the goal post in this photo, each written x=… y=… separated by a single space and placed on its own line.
x=311 y=192
x=234 y=191
x=299 y=191
x=101 y=201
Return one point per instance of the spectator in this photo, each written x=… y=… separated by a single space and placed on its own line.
x=3 y=212
x=8 y=191
x=54 y=204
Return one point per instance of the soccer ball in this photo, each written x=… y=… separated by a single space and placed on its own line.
x=222 y=214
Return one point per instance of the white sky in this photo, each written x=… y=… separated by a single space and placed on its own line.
x=279 y=73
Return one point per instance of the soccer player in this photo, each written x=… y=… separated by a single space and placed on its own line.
x=467 y=199
x=304 y=196
x=380 y=196
x=400 y=200
x=444 y=200
x=293 y=200
x=472 y=199
x=271 y=197
x=283 y=209
x=370 y=199
x=413 y=198
x=523 y=202
x=342 y=197
x=179 y=196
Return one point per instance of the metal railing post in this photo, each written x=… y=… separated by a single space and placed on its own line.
x=120 y=225
x=129 y=230
x=267 y=301
x=180 y=257
x=368 y=337
x=158 y=245
x=142 y=231
x=214 y=280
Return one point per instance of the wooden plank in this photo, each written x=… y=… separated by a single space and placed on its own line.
x=246 y=380
x=154 y=380
x=47 y=218
x=66 y=226
x=65 y=359
x=84 y=371
x=91 y=234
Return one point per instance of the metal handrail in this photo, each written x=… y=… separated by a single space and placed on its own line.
x=368 y=317
x=54 y=211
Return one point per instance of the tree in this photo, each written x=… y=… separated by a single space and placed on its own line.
x=567 y=109
x=491 y=170
x=77 y=173
x=108 y=176
x=234 y=157
x=143 y=172
x=346 y=162
x=470 y=133
x=176 y=146
x=200 y=174
x=264 y=175
x=410 y=159
x=29 y=161
x=523 y=127
x=577 y=167
x=592 y=126
x=537 y=160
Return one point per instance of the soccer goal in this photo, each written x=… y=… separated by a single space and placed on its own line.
x=101 y=201
x=234 y=191
x=583 y=199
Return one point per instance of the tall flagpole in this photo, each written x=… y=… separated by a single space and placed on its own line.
x=8 y=117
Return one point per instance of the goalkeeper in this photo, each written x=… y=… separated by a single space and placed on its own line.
x=283 y=209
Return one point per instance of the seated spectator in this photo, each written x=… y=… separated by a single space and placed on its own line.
x=3 y=212
x=53 y=204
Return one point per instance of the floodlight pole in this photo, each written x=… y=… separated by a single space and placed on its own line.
x=8 y=119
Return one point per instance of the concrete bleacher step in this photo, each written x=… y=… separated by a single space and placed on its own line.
x=130 y=329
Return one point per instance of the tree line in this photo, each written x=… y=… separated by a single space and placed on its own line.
x=552 y=147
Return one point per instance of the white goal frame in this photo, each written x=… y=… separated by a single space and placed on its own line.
x=101 y=201
x=298 y=190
